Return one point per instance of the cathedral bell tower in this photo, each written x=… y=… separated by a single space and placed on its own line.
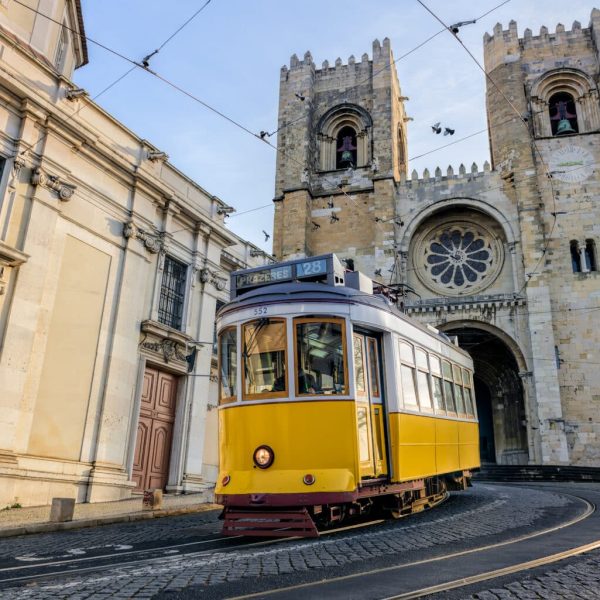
x=342 y=152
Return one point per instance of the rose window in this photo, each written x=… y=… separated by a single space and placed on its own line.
x=459 y=258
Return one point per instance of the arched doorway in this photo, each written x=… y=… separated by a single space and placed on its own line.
x=499 y=393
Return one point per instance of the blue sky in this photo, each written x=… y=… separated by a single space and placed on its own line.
x=231 y=54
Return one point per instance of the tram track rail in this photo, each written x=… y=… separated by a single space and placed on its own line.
x=324 y=587
x=412 y=579
x=223 y=544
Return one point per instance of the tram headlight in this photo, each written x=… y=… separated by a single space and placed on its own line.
x=263 y=457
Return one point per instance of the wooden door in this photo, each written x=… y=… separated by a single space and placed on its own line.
x=155 y=430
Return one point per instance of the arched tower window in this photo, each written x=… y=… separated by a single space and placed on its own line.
x=563 y=114
x=575 y=256
x=346 y=148
x=589 y=255
x=564 y=101
x=344 y=138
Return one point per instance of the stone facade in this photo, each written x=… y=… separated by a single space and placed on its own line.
x=94 y=225
x=504 y=256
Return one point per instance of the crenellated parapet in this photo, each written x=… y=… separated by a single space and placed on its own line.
x=461 y=175
x=505 y=45
x=381 y=50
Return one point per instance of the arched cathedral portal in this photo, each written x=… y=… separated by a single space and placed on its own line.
x=499 y=393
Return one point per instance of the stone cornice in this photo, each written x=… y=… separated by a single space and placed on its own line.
x=11 y=257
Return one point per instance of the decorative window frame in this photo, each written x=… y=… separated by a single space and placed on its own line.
x=330 y=124
x=571 y=81
x=494 y=246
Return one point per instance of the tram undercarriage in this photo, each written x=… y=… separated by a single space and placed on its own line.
x=268 y=516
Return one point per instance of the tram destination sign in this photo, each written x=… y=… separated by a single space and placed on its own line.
x=326 y=269
x=257 y=278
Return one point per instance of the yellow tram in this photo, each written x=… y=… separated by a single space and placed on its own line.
x=333 y=403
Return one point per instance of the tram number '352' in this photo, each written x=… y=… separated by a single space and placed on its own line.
x=260 y=310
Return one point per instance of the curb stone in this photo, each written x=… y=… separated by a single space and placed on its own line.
x=109 y=520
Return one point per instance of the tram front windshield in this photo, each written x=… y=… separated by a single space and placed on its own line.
x=320 y=367
x=320 y=357
x=264 y=356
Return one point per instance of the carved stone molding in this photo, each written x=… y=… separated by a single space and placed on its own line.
x=163 y=344
x=213 y=277
x=153 y=243
x=64 y=190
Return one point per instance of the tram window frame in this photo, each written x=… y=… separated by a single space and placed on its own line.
x=448 y=385
x=435 y=369
x=405 y=386
x=423 y=381
x=333 y=320
x=423 y=384
x=407 y=364
x=468 y=389
x=458 y=392
x=232 y=397
x=270 y=394
x=374 y=379
x=360 y=392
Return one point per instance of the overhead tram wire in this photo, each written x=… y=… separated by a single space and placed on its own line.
x=121 y=77
x=389 y=66
x=525 y=123
x=196 y=98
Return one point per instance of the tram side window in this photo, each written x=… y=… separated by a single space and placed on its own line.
x=423 y=381
x=228 y=365
x=458 y=391
x=320 y=357
x=407 y=377
x=448 y=387
x=436 y=385
x=468 y=394
x=424 y=392
x=409 y=392
x=264 y=359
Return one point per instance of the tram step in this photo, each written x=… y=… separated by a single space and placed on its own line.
x=265 y=523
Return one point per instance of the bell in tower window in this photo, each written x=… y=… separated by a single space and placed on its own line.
x=563 y=115
x=346 y=148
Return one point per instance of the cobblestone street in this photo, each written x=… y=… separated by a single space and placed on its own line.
x=483 y=515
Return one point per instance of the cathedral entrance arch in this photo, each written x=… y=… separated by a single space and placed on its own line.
x=499 y=392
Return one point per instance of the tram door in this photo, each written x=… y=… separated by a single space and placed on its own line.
x=369 y=407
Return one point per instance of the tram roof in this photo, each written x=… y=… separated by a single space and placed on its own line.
x=286 y=292
x=321 y=292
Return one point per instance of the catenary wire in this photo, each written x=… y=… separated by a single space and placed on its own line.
x=525 y=123
x=199 y=100
x=121 y=77
x=389 y=66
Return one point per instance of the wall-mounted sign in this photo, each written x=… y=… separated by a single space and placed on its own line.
x=571 y=164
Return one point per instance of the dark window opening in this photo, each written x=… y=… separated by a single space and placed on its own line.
x=575 y=257
x=172 y=293
x=563 y=114
x=590 y=255
x=345 y=148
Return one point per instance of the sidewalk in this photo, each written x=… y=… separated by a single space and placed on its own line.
x=35 y=519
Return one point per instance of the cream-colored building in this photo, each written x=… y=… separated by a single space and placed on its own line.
x=112 y=263
x=504 y=256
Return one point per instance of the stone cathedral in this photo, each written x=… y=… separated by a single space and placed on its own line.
x=503 y=256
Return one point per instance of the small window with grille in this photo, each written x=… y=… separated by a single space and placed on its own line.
x=172 y=293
